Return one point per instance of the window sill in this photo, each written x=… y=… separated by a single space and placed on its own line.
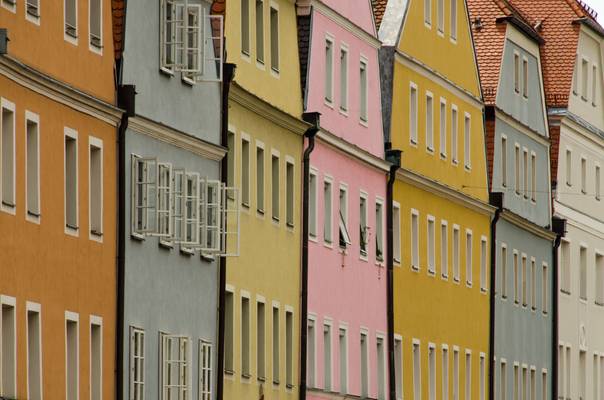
x=443 y=156
x=187 y=81
x=413 y=142
x=32 y=16
x=276 y=382
x=96 y=236
x=414 y=268
x=454 y=162
x=290 y=225
x=260 y=211
x=343 y=111
x=261 y=379
x=229 y=372
x=166 y=72
x=469 y=284
x=186 y=251
x=246 y=376
x=444 y=277
x=207 y=257
x=456 y=281
x=364 y=122
x=289 y=386
x=32 y=217
x=72 y=230
x=166 y=245
x=564 y=291
x=483 y=291
x=137 y=236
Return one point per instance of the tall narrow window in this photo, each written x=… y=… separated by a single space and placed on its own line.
x=524 y=281
x=96 y=358
x=71 y=179
x=363 y=90
x=440 y=11
x=260 y=341
x=275 y=187
x=533 y=177
x=274 y=39
x=96 y=23
x=245 y=337
x=71 y=357
x=8 y=348
x=533 y=285
x=595 y=376
x=344 y=237
x=231 y=159
x=33 y=166
x=289 y=349
x=455 y=374
x=456 y=266
x=599 y=286
x=569 y=164
x=516 y=394
x=71 y=18
x=33 y=8
x=7 y=156
x=468 y=386
x=260 y=179
x=396 y=227
x=245 y=173
x=594 y=85
x=34 y=352
x=428 y=12
x=260 y=31
x=327 y=357
x=445 y=373
x=431 y=373
x=584 y=78
x=516 y=72
x=430 y=240
x=311 y=355
x=453 y=19
x=525 y=77
x=582 y=375
x=443 y=125
x=344 y=79
x=95 y=182
x=561 y=369
x=379 y=232
x=417 y=379
x=381 y=369
x=481 y=372
x=525 y=169
x=398 y=367
x=576 y=76
x=137 y=364
x=364 y=366
x=525 y=384
x=175 y=364
x=429 y=122
x=544 y=288
x=516 y=272
x=565 y=273
x=289 y=193
x=454 y=139
x=343 y=342
x=414 y=240
x=583 y=175
x=205 y=370
x=245 y=27
x=504 y=161
x=329 y=71
x=467 y=142
x=228 y=333
x=364 y=230
x=444 y=249
x=413 y=114
x=312 y=206
x=483 y=264
x=568 y=372
x=469 y=257
x=583 y=273
x=503 y=381
x=517 y=168
x=276 y=345
x=327 y=211
x=597 y=182
x=504 y=271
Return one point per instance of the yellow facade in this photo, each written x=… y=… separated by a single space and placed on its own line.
x=441 y=300
x=267 y=270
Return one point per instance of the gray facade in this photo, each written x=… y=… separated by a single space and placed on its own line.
x=167 y=291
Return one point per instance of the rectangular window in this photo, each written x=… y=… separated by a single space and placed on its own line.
x=454 y=140
x=260 y=31
x=34 y=352
x=289 y=193
x=430 y=240
x=260 y=341
x=274 y=39
x=569 y=163
x=533 y=285
x=444 y=249
x=363 y=90
x=72 y=376
x=398 y=368
x=429 y=122
x=396 y=227
x=561 y=372
x=175 y=366
x=524 y=281
x=33 y=8
x=327 y=357
x=597 y=182
x=289 y=349
x=379 y=232
x=275 y=187
x=96 y=23
x=517 y=168
x=456 y=266
x=364 y=366
x=544 y=288
x=71 y=18
x=245 y=337
x=344 y=237
x=445 y=373
x=343 y=342
x=364 y=230
x=533 y=177
x=414 y=240
x=96 y=358
x=312 y=207
x=328 y=217
x=443 y=126
x=33 y=165
x=311 y=355
x=467 y=142
x=516 y=72
x=516 y=393
x=599 y=279
x=260 y=179
x=469 y=257
x=582 y=375
x=567 y=372
x=137 y=364
x=228 y=333
x=503 y=381
x=245 y=27
x=417 y=379
x=431 y=373
x=482 y=373
x=565 y=267
x=583 y=273
x=413 y=113
x=595 y=376
x=231 y=158
x=584 y=78
x=276 y=345
x=594 y=86
x=71 y=179
x=205 y=370
x=440 y=9
x=516 y=272
x=483 y=264
x=583 y=175
x=343 y=79
x=455 y=374
x=525 y=169
x=328 y=71
x=381 y=369
x=524 y=385
x=428 y=12
x=525 y=78
x=453 y=20
x=504 y=161
x=245 y=172
x=95 y=182
x=468 y=386
x=8 y=347
x=504 y=271
x=8 y=154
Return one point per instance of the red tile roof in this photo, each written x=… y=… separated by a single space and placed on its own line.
x=118 y=10
x=379 y=8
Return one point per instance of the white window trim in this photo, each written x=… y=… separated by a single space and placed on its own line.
x=8 y=105
x=313 y=318
x=98 y=321
x=244 y=294
x=245 y=138
x=329 y=102
x=444 y=272
x=380 y=201
x=207 y=343
x=34 y=307
x=131 y=358
x=329 y=180
x=260 y=212
x=98 y=143
x=73 y=317
x=91 y=47
x=484 y=285
x=455 y=127
x=416 y=343
x=469 y=282
x=30 y=116
x=344 y=188
x=315 y=237
x=442 y=145
x=415 y=249
x=504 y=162
x=456 y=228
x=364 y=61
x=275 y=305
x=289 y=160
x=276 y=219
x=66 y=37
x=344 y=48
x=505 y=295
x=431 y=268
x=12 y=301
x=12 y=8
x=468 y=156
x=275 y=73
x=429 y=134
x=364 y=196
x=397 y=261
x=68 y=132
x=33 y=19
x=344 y=326
x=414 y=129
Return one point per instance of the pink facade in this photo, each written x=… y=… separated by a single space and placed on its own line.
x=347 y=287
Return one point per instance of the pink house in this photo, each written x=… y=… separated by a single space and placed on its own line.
x=347 y=302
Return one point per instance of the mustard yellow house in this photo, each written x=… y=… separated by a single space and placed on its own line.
x=265 y=140
x=432 y=110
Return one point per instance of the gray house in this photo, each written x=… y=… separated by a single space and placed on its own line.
x=518 y=148
x=172 y=204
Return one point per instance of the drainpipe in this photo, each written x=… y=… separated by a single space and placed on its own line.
x=312 y=118
x=228 y=75
x=495 y=199
x=559 y=228
x=126 y=101
x=394 y=158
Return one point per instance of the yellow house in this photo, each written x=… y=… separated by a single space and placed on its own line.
x=441 y=211
x=262 y=306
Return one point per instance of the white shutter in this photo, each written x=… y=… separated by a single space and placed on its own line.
x=210 y=200
x=192 y=53
x=229 y=231
x=163 y=214
x=190 y=236
x=144 y=195
x=178 y=205
x=211 y=48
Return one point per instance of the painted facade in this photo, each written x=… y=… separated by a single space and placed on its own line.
x=441 y=215
x=518 y=157
x=172 y=153
x=262 y=303
x=347 y=333
x=58 y=190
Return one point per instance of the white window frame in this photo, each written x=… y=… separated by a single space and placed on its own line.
x=37 y=309
x=313 y=204
x=9 y=302
x=344 y=386
x=364 y=91
x=73 y=317
x=467 y=141
x=205 y=369
x=71 y=230
x=431 y=245
x=443 y=124
x=428 y=14
x=468 y=375
x=276 y=342
x=413 y=113
x=398 y=365
x=445 y=371
x=275 y=6
x=469 y=257
x=245 y=336
x=396 y=233
x=183 y=362
x=137 y=334
x=504 y=268
x=311 y=371
x=8 y=208
x=544 y=287
x=343 y=225
x=71 y=38
x=260 y=179
x=97 y=143
x=276 y=194
x=484 y=261
x=344 y=75
x=364 y=226
x=30 y=215
x=456 y=253
x=245 y=171
x=10 y=5
x=328 y=96
x=95 y=320
x=568 y=161
x=414 y=225
x=504 y=160
x=429 y=121
x=94 y=47
x=431 y=371
x=453 y=21
x=328 y=212
x=380 y=250
x=440 y=17
x=533 y=177
x=381 y=366
x=417 y=369
x=454 y=134
x=290 y=203
x=327 y=354
x=444 y=249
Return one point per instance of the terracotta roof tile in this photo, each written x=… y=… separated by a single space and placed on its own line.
x=118 y=10
x=379 y=8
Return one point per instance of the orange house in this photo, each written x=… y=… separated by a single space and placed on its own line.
x=58 y=135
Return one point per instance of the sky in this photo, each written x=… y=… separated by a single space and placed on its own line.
x=598 y=5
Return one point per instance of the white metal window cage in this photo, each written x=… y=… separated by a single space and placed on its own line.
x=175 y=367
x=183 y=208
x=191 y=40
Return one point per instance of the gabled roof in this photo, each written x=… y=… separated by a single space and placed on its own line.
x=489 y=32
x=379 y=8
x=118 y=13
